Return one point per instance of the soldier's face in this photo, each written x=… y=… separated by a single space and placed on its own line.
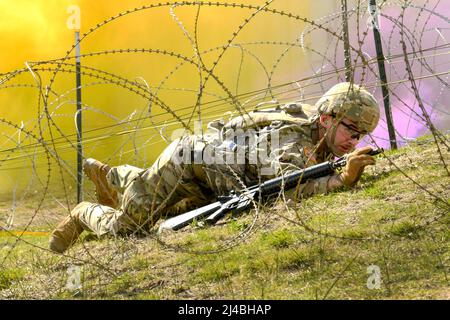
x=342 y=136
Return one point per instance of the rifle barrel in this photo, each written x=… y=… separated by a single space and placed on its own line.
x=184 y=219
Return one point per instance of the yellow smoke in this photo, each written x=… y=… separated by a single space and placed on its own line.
x=35 y=30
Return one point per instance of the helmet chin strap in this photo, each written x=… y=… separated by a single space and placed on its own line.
x=326 y=133
x=332 y=138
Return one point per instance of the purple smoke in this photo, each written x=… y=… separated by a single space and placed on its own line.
x=427 y=30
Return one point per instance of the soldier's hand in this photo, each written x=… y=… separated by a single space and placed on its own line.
x=356 y=161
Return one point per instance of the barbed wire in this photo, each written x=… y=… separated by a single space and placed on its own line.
x=43 y=146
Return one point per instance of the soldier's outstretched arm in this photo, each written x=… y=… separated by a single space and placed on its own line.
x=350 y=175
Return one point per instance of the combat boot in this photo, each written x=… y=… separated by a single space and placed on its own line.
x=66 y=233
x=97 y=171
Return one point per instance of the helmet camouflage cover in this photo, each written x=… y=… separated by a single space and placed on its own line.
x=353 y=102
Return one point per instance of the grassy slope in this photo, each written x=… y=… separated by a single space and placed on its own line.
x=320 y=248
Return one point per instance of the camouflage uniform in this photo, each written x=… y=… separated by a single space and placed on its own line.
x=145 y=194
x=290 y=135
x=286 y=136
x=148 y=194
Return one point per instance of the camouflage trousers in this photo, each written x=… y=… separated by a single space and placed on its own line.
x=149 y=194
x=146 y=194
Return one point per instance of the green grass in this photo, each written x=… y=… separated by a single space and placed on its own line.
x=9 y=276
x=320 y=249
x=278 y=238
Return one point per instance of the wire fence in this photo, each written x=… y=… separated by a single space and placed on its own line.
x=239 y=74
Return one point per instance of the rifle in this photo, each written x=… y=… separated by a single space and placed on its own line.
x=239 y=202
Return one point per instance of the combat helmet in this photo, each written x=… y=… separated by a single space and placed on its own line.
x=353 y=102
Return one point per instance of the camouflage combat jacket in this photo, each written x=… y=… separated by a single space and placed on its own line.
x=259 y=146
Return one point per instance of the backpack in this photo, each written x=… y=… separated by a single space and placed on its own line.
x=290 y=113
